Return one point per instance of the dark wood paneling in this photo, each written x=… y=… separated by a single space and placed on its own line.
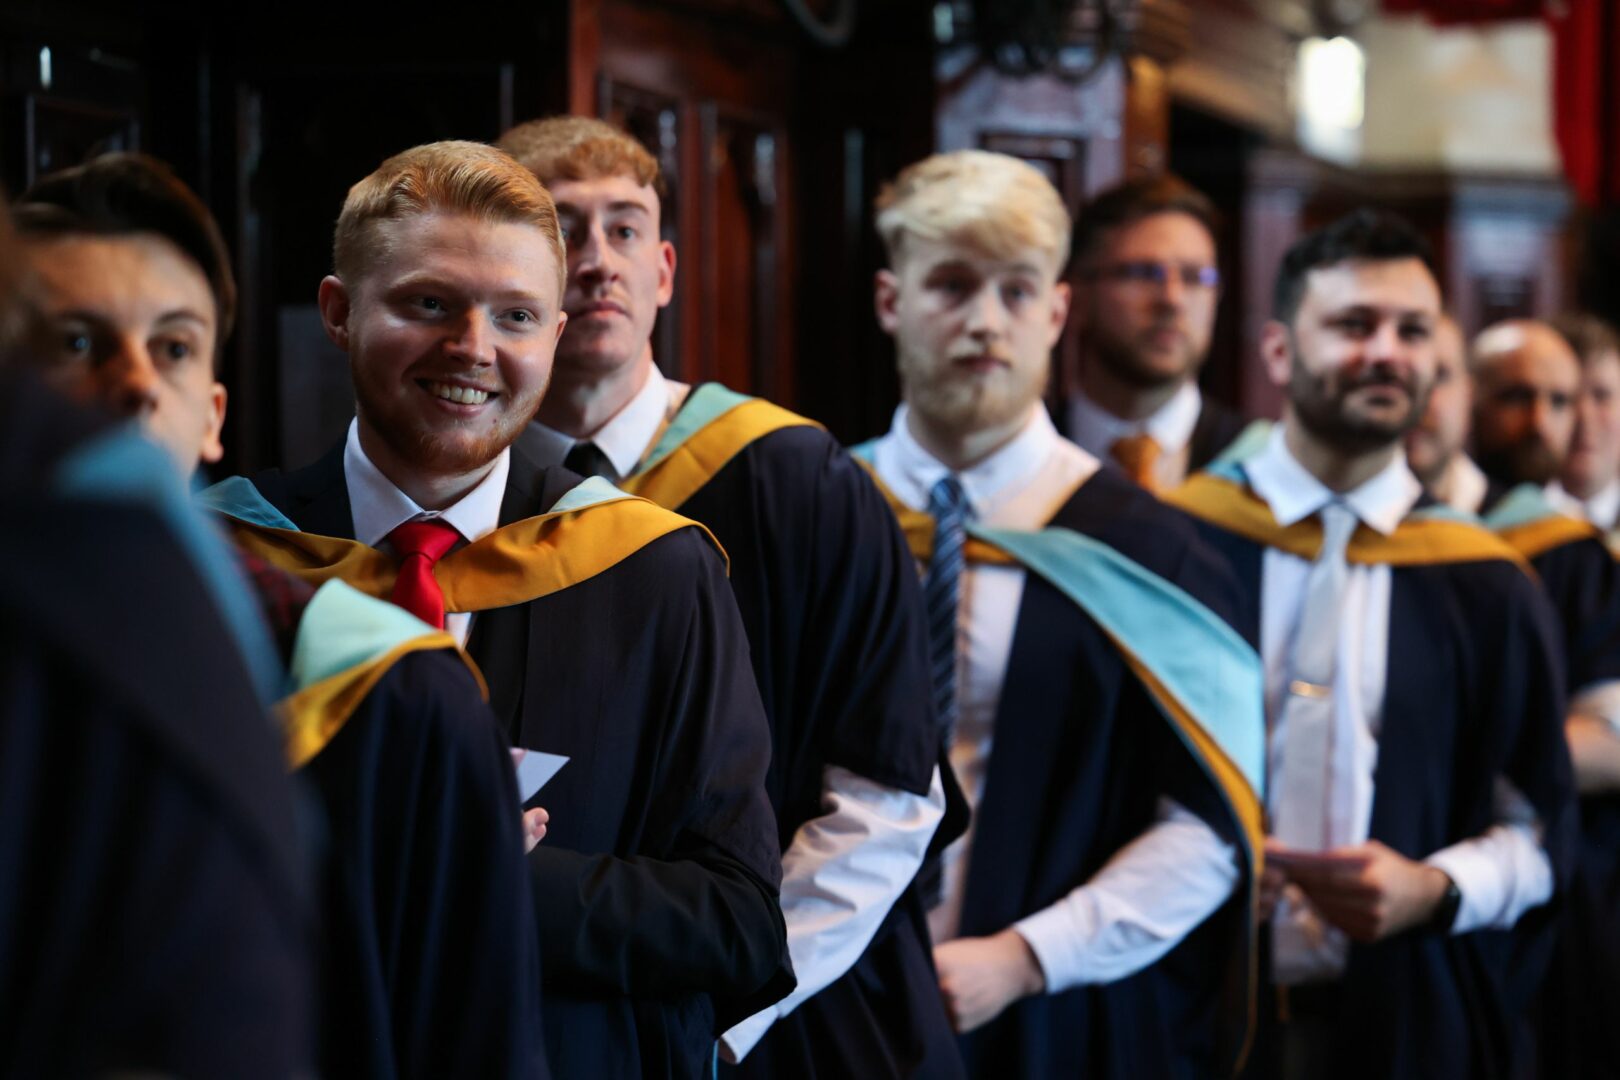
x=1075 y=132
x=711 y=94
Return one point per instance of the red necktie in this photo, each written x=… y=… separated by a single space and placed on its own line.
x=420 y=544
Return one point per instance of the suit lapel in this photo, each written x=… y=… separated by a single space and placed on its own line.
x=499 y=643
x=318 y=497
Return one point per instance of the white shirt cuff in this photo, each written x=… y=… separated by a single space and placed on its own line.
x=840 y=876
x=1150 y=895
x=1503 y=872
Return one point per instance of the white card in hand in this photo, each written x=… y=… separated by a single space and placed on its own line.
x=534 y=770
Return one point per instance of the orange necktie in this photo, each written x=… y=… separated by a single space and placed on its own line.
x=1138 y=455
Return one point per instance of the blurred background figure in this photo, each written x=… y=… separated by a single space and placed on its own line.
x=156 y=915
x=1147 y=284
x=1436 y=447
x=1526 y=378
x=1590 y=482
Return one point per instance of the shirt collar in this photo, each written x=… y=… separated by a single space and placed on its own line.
x=625 y=438
x=1171 y=424
x=1604 y=507
x=989 y=483
x=1466 y=483
x=379 y=507
x=1294 y=494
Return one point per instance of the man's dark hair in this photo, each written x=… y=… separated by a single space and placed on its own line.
x=122 y=194
x=1368 y=233
x=1130 y=202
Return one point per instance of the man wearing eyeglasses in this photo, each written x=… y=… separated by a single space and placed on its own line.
x=1145 y=290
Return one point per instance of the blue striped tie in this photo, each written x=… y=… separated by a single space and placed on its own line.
x=942 y=587
x=948 y=506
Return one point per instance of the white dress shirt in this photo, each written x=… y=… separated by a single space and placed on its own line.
x=1463 y=483
x=1502 y=873
x=1164 y=883
x=1601 y=509
x=627 y=435
x=1170 y=425
x=845 y=869
x=378 y=507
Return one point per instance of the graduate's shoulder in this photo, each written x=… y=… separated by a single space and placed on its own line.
x=1112 y=509
x=429 y=706
x=819 y=474
x=679 y=546
x=1489 y=580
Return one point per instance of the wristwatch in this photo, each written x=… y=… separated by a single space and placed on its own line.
x=1445 y=912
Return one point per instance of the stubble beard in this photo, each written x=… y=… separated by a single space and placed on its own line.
x=964 y=405
x=1324 y=409
x=1124 y=360
x=1528 y=461
x=437 y=452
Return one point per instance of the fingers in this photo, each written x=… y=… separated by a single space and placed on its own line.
x=534 y=828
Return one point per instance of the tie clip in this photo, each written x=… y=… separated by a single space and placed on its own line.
x=1301 y=688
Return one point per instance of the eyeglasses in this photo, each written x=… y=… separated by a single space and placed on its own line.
x=1191 y=275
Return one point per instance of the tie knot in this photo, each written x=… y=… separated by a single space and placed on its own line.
x=431 y=538
x=947 y=498
x=1338 y=524
x=1138 y=455
x=588 y=459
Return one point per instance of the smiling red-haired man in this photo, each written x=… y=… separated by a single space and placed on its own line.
x=603 y=624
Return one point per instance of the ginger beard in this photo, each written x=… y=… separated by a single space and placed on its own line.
x=450 y=444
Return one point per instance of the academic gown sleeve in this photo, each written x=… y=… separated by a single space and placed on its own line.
x=830 y=598
x=703 y=917
x=155 y=914
x=1583 y=991
x=431 y=965
x=1583 y=581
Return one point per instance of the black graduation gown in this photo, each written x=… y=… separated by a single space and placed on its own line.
x=1582 y=579
x=154 y=913
x=1081 y=756
x=430 y=967
x=655 y=887
x=830 y=599
x=1474 y=692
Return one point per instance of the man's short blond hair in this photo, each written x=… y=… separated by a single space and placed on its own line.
x=580 y=148
x=995 y=204
x=448 y=177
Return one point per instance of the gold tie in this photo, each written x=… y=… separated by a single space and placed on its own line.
x=1138 y=455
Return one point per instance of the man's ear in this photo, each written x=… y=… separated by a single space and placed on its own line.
x=1060 y=312
x=666 y=272
x=1277 y=352
x=886 y=300
x=333 y=299
x=212 y=448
